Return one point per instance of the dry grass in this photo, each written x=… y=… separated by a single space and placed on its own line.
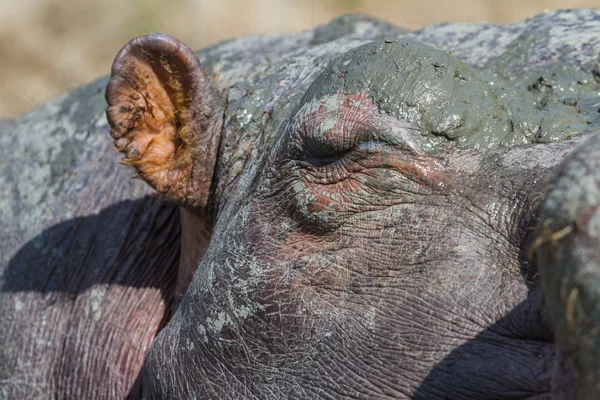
x=50 y=46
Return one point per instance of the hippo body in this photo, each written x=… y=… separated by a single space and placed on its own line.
x=359 y=213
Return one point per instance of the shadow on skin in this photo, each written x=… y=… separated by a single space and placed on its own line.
x=493 y=365
x=511 y=359
x=132 y=243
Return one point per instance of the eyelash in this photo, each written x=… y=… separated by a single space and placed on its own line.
x=319 y=161
x=368 y=147
x=338 y=167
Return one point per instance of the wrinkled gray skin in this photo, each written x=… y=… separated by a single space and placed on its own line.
x=395 y=261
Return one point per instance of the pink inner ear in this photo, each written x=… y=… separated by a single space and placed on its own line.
x=146 y=101
x=141 y=114
x=162 y=112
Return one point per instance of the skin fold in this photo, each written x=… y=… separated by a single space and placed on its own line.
x=355 y=211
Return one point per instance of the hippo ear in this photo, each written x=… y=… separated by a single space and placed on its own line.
x=166 y=117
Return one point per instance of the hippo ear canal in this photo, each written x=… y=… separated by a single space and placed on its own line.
x=166 y=117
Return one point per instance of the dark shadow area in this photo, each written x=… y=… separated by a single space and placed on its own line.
x=494 y=365
x=131 y=243
x=511 y=359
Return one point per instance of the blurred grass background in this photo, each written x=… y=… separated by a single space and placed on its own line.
x=51 y=46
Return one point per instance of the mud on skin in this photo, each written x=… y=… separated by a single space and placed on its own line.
x=361 y=209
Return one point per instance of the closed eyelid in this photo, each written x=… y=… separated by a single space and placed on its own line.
x=343 y=121
x=366 y=138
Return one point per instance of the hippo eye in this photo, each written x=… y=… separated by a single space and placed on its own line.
x=328 y=168
x=324 y=156
x=324 y=180
x=333 y=165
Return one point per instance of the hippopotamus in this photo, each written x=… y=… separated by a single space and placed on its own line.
x=355 y=211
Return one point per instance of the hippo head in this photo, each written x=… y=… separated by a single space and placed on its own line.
x=372 y=226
